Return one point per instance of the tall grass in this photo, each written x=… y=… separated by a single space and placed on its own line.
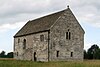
x=15 y=63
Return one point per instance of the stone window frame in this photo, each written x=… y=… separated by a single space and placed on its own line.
x=42 y=37
x=24 y=44
x=18 y=40
x=68 y=35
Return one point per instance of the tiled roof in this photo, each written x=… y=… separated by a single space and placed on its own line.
x=40 y=24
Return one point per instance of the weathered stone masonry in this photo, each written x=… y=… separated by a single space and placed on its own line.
x=33 y=44
x=56 y=37
x=63 y=45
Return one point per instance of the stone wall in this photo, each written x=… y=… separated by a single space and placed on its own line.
x=33 y=44
x=55 y=46
x=66 y=22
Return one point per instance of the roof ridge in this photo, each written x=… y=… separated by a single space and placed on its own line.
x=39 y=24
x=48 y=15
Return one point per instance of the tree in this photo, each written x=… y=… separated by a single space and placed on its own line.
x=2 y=54
x=93 y=52
x=10 y=55
x=85 y=55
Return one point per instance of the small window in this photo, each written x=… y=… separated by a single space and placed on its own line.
x=71 y=54
x=68 y=35
x=17 y=53
x=24 y=44
x=57 y=54
x=18 y=40
x=41 y=37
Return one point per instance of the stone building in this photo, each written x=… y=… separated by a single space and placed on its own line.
x=55 y=37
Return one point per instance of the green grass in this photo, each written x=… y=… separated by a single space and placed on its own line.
x=15 y=63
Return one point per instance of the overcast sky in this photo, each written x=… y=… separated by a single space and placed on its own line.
x=15 y=13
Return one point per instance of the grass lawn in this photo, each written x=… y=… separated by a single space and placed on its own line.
x=15 y=63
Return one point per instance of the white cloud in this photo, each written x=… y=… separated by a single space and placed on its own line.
x=87 y=11
x=22 y=10
x=7 y=27
x=13 y=13
x=14 y=7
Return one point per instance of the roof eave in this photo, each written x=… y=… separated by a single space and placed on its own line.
x=32 y=33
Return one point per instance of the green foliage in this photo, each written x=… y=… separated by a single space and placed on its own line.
x=85 y=54
x=3 y=55
x=10 y=55
x=92 y=53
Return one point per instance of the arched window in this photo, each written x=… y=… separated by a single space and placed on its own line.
x=68 y=35
x=24 y=44
x=35 y=58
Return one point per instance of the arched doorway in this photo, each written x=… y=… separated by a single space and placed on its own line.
x=35 y=59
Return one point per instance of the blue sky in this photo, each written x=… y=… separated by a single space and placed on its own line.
x=91 y=35
x=15 y=13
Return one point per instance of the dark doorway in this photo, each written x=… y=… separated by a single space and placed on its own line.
x=71 y=54
x=57 y=55
x=35 y=56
